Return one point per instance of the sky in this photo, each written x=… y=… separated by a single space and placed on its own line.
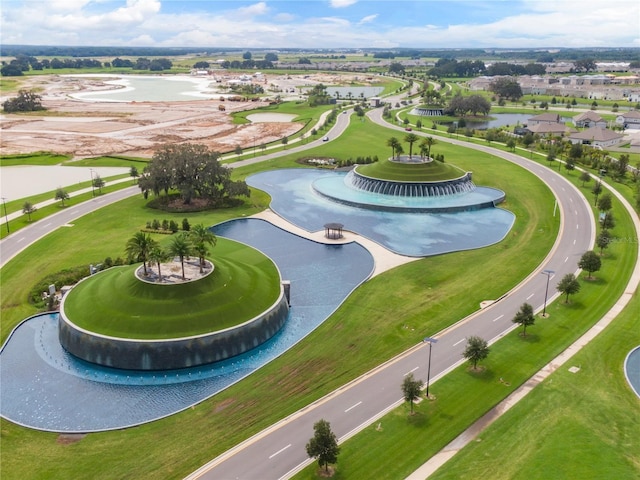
x=322 y=23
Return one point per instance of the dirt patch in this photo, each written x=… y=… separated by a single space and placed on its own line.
x=85 y=129
x=70 y=438
x=135 y=128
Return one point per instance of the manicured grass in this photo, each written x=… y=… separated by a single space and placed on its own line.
x=40 y=158
x=244 y=284
x=410 y=172
x=112 y=161
x=373 y=326
x=438 y=422
x=573 y=425
x=23 y=221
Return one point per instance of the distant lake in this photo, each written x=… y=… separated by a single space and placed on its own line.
x=354 y=93
x=133 y=88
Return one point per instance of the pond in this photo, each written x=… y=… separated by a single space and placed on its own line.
x=139 y=88
x=501 y=120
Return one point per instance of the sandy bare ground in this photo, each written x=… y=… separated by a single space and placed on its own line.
x=82 y=129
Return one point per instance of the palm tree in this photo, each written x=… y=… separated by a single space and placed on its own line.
x=430 y=142
x=180 y=247
x=411 y=138
x=201 y=236
x=139 y=246
x=28 y=208
x=393 y=143
x=158 y=255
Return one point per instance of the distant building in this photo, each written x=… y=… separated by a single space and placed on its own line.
x=597 y=137
x=589 y=119
x=545 y=118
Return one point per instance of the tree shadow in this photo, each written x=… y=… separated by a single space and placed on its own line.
x=481 y=373
x=530 y=337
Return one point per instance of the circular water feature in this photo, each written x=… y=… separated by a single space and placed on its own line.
x=632 y=369
x=46 y=388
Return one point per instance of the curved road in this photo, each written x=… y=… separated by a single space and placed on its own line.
x=278 y=451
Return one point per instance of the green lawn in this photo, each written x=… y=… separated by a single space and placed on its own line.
x=411 y=172
x=373 y=326
x=573 y=425
x=244 y=284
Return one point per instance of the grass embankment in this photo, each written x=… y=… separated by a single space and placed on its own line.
x=411 y=172
x=573 y=425
x=463 y=396
x=244 y=284
x=428 y=295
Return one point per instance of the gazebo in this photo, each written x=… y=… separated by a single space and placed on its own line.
x=333 y=230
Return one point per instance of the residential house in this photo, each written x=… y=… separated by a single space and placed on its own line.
x=589 y=119
x=597 y=137
x=545 y=118
x=629 y=119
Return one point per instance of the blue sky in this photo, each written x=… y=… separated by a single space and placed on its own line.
x=323 y=23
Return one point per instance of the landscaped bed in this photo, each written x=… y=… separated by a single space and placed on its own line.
x=116 y=303
x=411 y=172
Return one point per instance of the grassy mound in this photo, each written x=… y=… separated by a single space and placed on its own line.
x=243 y=284
x=410 y=172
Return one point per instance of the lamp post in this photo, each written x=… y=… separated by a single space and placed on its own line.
x=548 y=273
x=430 y=341
x=6 y=218
x=93 y=189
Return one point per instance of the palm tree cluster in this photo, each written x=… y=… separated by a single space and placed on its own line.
x=411 y=138
x=142 y=248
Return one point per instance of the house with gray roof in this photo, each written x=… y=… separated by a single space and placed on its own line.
x=589 y=119
x=597 y=137
x=629 y=119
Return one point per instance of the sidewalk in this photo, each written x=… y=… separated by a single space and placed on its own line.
x=14 y=215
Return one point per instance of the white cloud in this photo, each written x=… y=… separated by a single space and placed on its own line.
x=342 y=3
x=253 y=10
x=368 y=19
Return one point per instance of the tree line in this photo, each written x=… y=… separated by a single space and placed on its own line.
x=24 y=63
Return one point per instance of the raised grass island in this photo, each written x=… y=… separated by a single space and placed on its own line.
x=116 y=319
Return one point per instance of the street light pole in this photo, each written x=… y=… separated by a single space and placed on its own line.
x=93 y=189
x=6 y=218
x=430 y=341
x=548 y=273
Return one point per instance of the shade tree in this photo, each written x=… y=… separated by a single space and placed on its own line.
x=476 y=350
x=323 y=446
x=568 y=285
x=590 y=262
x=524 y=317
x=411 y=389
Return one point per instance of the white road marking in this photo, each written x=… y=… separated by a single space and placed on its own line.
x=279 y=451
x=352 y=407
x=459 y=342
x=47 y=225
x=530 y=296
x=20 y=239
x=574 y=242
x=566 y=260
x=411 y=371
x=498 y=318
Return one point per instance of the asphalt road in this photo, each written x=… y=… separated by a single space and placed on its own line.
x=279 y=451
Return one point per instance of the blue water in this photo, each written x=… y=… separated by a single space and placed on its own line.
x=44 y=387
x=411 y=234
x=632 y=370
